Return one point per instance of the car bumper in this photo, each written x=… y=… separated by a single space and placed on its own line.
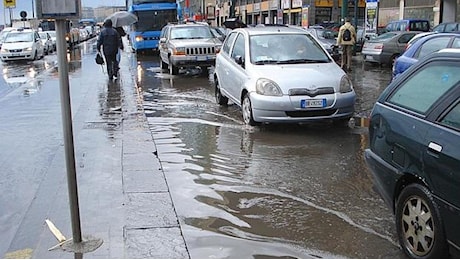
x=376 y=58
x=17 y=56
x=287 y=109
x=201 y=60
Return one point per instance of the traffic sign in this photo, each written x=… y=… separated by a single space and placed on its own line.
x=9 y=3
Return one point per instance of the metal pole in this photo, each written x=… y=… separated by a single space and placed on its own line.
x=344 y=9
x=11 y=18
x=33 y=9
x=356 y=14
x=67 y=127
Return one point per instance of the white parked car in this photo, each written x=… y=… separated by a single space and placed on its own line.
x=47 y=42
x=22 y=45
x=279 y=74
x=53 y=38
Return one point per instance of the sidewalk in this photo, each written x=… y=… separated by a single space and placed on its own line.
x=123 y=196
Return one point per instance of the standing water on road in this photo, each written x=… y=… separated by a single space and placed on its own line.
x=283 y=191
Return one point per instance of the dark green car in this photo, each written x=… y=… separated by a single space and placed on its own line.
x=414 y=154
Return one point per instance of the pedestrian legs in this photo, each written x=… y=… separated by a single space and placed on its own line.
x=347 y=52
x=112 y=65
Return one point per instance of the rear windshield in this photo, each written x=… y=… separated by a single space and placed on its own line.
x=409 y=25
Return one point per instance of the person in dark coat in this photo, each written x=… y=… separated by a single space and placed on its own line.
x=110 y=41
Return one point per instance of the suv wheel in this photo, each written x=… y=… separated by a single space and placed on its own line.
x=419 y=225
x=220 y=99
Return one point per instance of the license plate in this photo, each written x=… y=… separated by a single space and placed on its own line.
x=305 y=103
x=201 y=58
x=368 y=57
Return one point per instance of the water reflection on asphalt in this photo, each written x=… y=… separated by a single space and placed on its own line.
x=284 y=191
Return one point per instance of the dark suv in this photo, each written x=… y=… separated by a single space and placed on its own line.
x=414 y=154
x=188 y=45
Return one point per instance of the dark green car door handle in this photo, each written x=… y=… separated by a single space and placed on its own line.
x=435 y=147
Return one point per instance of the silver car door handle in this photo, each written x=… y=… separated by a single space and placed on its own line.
x=435 y=147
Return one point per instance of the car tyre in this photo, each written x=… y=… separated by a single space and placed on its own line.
x=419 y=225
x=246 y=107
x=204 y=71
x=342 y=122
x=220 y=99
x=173 y=70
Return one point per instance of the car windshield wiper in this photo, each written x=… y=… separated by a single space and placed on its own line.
x=297 y=61
x=263 y=62
x=180 y=38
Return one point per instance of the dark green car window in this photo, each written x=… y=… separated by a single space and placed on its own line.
x=452 y=118
x=419 y=92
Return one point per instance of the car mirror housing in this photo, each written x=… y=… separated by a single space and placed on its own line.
x=239 y=59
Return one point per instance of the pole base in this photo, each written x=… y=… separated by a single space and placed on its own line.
x=88 y=244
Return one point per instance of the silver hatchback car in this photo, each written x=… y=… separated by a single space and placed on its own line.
x=281 y=75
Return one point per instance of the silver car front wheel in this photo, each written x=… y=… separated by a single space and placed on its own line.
x=247 y=111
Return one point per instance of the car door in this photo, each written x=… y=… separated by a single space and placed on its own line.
x=442 y=160
x=237 y=70
x=163 y=46
x=39 y=45
x=223 y=65
x=401 y=42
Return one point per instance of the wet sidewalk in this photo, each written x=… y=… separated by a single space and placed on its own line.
x=123 y=195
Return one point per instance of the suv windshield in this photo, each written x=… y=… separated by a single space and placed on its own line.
x=191 y=32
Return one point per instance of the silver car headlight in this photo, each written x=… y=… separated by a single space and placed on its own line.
x=268 y=87
x=345 y=84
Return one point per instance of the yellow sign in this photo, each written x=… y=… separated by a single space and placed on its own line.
x=9 y=3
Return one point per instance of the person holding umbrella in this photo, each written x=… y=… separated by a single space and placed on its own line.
x=110 y=41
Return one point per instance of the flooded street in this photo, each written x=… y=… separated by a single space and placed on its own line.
x=274 y=191
x=283 y=191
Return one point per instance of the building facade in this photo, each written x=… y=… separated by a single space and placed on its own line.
x=308 y=12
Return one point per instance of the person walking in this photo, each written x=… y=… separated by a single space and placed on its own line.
x=346 y=39
x=110 y=41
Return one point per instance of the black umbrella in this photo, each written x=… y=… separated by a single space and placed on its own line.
x=233 y=23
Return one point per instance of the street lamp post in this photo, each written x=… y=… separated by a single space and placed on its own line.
x=344 y=9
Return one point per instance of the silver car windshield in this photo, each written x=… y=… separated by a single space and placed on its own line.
x=285 y=49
